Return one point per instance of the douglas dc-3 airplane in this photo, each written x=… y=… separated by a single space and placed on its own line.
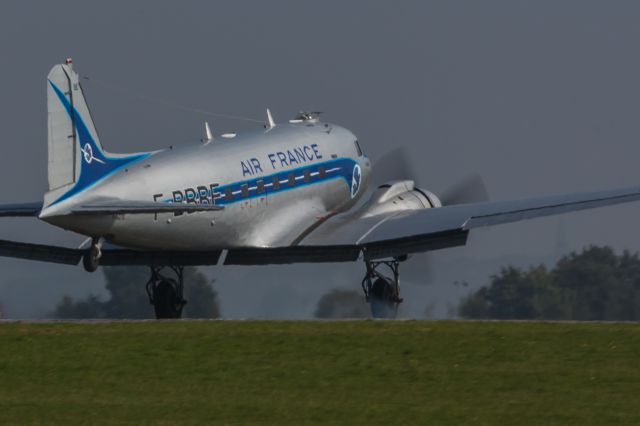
x=281 y=194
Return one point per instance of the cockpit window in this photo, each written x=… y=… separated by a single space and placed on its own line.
x=358 y=149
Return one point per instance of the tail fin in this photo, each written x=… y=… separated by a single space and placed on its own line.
x=76 y=157
x=67 y=111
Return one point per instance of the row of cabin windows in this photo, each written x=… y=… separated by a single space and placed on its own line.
x=275 y=182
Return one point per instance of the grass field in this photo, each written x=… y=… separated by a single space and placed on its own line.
x=369 y=372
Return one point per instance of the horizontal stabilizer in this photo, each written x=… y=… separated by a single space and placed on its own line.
x=139 y=207
x=20 y=209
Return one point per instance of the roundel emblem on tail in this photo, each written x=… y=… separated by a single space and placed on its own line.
x=87 y=152
x=356 y=180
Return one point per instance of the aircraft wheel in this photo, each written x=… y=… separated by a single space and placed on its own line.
x=382 y=299
x=91 y=258
x=166 y=300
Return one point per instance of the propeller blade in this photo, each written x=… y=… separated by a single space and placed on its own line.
x=470 y=190
x=394 y=165
x=419 y=269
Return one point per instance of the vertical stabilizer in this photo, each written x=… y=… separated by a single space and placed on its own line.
x=64 y=96
x=76 y=158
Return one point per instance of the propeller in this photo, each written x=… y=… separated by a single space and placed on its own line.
x=394 y=165
x=469 y=190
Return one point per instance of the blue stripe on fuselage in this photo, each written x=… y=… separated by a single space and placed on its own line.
x=334 y=169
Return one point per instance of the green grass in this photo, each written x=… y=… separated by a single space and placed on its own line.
x=370 y=372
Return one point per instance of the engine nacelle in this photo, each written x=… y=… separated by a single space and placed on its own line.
x=399 y=196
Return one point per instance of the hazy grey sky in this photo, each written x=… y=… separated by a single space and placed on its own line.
x=537 y=96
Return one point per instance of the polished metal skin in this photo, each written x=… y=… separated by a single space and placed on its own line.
x=273 y=219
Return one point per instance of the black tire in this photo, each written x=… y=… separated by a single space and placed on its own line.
x=90 y=259
x=381 y=300
x=166 y=302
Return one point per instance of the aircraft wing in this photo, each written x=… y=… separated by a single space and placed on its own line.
x=414 y=231
x=347 y=237
x=40 y=252
x=110 y=256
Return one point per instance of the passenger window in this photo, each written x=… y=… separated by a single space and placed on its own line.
x=292 y=179
x=260 y=185
x=245 y=190
x=307 y=175
x=358 y=149
x=322 y=172
x=228 y=193
x=276 y=182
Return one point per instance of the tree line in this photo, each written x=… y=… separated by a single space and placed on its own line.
x=128 y=298
x=595 y=284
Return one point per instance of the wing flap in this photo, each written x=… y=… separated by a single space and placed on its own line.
x=416 y=244
x=292 y=254
x=115 y=257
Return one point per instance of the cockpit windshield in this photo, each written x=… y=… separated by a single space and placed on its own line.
x=358 y=149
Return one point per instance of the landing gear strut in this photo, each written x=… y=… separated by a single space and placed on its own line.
x=166 y=294
x=382 y=292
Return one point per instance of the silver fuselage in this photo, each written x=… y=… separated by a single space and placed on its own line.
x=318 y=170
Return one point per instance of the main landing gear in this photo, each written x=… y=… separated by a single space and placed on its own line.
x=91 y=258
x=166 y=294
x=381 y=291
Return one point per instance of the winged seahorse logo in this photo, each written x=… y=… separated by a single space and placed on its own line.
x=87 y=152
x=355 y=180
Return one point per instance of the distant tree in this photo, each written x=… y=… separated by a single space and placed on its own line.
x=511 y=295
x=474 y=305
x=508 y=297
x=342 y=304
x=598 y=285
x=128 y=297
x=89 y=308
x=202 y=299
x=125 y=285
x=592 y=285
x=629 y=268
